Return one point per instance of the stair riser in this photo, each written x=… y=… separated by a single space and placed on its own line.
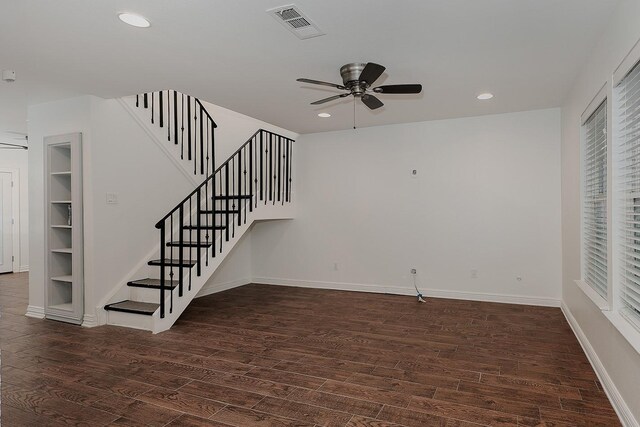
x=130 y=320
x=144 y=294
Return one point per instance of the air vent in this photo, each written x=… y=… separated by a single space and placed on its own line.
x=292 y=18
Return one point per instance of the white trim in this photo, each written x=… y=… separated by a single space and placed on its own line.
x=162 y=145
x=600 y=302
x=15 y=213
x=90 y=321
x=436 y=293
x=219 y=287
x=23 y=269
x=627 y=64
x=598 y=99
x=35 y=312
x=618 y=403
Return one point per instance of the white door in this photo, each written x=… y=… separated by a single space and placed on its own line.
x=6 y=229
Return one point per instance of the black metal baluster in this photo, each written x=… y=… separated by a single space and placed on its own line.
x=171 y=264
x=261 y=168
x=160 y=101
x=244 y=178
x=137 y=100
x=168 y=115
x=286 y=165
x=271 y=165
x=145 y=101
x=190 y=239
x=206 y=202
x=182 y=130
x=181 y=254
x=239 y=187
x=189 y=127
x=279 y=165
x=195 y=138
x=233 y=192
x=162 y=243
x=290 y=168
x=226 y=185
x=253 y=139
x=198 y=225
x=152 y=105
x=175 y=117
x=201 y=145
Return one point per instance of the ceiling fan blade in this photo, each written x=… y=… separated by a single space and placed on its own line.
x=6 y=146
x=371 y=101
x=371 y=72
x=331 y=98
x=398 y=89
x=318 y=82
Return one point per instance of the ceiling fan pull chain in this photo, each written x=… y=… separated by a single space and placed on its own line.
x=354 y=112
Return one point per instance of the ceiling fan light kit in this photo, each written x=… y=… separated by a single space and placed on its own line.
x=357 y=79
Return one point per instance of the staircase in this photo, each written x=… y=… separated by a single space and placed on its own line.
x=253 y=184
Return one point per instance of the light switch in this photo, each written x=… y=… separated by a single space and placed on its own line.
x=112 y=198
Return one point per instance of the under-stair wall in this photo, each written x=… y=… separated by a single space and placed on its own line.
x=123 y=156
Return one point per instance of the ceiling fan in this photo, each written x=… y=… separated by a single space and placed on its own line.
x=357 y=80
x=23 y=137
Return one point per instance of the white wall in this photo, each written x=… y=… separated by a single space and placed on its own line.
x=19 y=160
x=619 y=359
x=120 y=157
x=486 y=198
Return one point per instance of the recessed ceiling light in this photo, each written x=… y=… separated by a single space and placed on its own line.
x=324 y=115
x=485 y=96
x=135 y=20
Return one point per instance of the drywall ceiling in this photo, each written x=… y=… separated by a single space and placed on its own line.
x=233 y=54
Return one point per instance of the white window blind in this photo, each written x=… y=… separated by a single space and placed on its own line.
x=628 y=184
x=595 y=201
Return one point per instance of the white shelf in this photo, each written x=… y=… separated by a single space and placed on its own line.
x=67 y=306
x=64 y=263
x=63 y=251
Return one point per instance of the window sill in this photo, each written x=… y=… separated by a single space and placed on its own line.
x=600 y=302
x=626 y=327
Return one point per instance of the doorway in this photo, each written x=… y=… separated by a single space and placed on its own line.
x=6 y=223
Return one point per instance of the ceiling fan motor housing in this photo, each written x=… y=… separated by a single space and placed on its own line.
x=350 y=77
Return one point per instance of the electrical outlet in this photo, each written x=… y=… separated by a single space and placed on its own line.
x=414 y=271
x=112 y=198
x=474 y=273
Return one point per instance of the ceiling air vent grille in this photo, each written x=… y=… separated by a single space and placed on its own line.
x=295 y=21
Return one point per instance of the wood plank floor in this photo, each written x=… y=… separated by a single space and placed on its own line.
x=278 y=356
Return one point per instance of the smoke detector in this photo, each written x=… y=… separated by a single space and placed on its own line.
x=292 y=18
x=8 y=76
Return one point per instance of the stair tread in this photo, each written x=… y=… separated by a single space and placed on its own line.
x=173 y=262
x=188 y=243
x=233 y=196
x=151 y=283
x=203 y=226
x=219 y=211
x=137 y=307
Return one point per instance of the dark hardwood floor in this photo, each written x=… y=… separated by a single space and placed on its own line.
x=278 y=356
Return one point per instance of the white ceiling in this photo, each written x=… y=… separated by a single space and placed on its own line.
x=233 y=54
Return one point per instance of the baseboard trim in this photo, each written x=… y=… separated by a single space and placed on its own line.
x=219 y=287
x=89 y=321
x=619 y=405
x=23 y=269
x=435 y=293
x=35 y=312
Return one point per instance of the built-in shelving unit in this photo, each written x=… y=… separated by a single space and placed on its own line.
x=64 y=290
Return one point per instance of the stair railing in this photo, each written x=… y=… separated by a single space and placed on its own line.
x=188 y=124
x=259 y=171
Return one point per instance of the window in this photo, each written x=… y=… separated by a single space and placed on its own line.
x=627 y=145
x=594 y=221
